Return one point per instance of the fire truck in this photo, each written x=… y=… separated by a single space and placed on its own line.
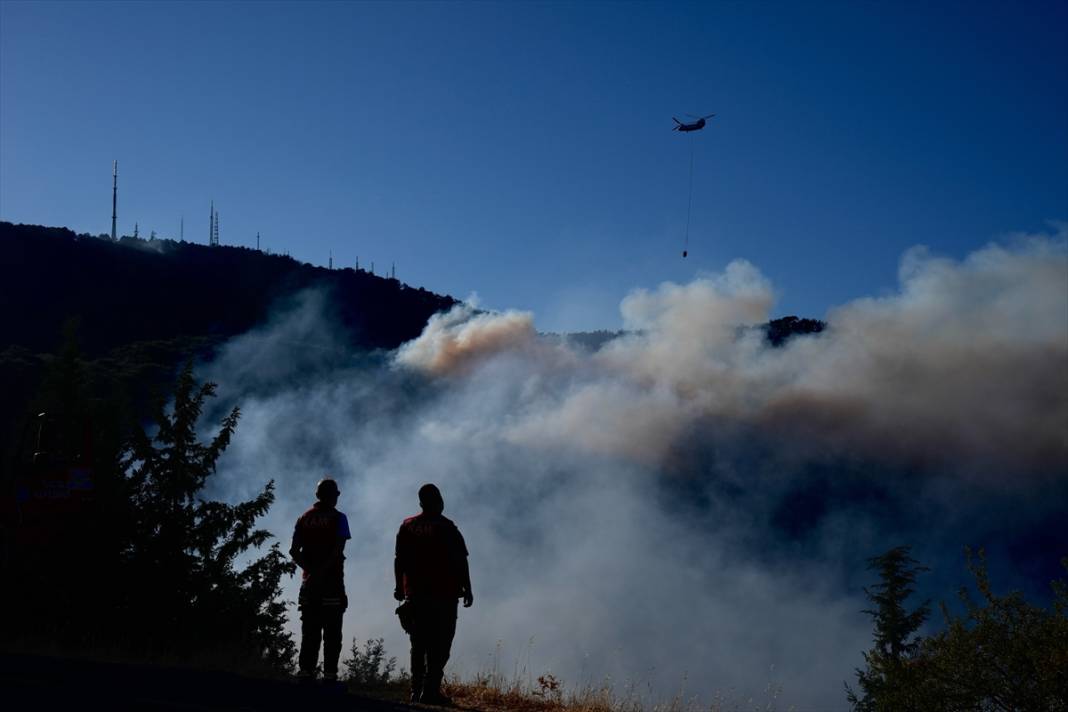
x=48 y=496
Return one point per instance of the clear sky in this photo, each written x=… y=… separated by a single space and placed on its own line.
x=523 y=151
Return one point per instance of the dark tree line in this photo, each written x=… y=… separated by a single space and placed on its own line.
x=135 y=290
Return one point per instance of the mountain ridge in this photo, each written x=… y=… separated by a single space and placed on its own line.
x=133 y=290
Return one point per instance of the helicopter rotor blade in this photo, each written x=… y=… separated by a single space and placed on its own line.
x=708 y=117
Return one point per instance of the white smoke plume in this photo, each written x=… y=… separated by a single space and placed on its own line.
x=634 y=512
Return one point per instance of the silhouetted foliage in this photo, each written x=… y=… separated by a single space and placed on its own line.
x=779 y=331
x=181 y=550
x=370 y=666
x=888 y=680
x=1001 y=654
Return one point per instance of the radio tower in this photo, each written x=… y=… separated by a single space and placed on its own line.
x=213 y=226
x=114 y=195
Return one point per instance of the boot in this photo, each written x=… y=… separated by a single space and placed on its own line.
x=435 y=698
x=432 y=693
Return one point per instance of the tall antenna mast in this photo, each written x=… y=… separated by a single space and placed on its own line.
x=257 y=241
x=181 y=229
x=114 y=195
x=331 y=259
x=393 y=270
x=213 y=227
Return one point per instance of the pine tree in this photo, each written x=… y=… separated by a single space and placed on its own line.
x=887 y=683
x=181 y=550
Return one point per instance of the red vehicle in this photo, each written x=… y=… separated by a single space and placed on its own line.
x=48 y=498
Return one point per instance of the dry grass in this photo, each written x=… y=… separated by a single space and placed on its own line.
x=487 y=694
x=493 y=693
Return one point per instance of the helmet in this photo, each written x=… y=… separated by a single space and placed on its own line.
x=327 y=487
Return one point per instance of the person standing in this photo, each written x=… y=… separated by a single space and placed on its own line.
x=318 y=548
x=431 y=573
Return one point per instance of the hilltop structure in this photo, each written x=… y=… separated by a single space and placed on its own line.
x=114 y=197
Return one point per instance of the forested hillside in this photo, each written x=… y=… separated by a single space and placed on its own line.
x=137 y=290
x=135 y=309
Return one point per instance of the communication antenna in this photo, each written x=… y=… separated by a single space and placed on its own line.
x=257 y=241
x=181 y=229
x=393 y=270
x=213 y=227
x=331 y=263
x=114 y=196
x=135 y=230
x=357 y=263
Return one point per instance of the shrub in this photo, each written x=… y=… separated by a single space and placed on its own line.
x=369 y=667
x=1002 y=654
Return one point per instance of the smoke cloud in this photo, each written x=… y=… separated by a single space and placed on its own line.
x=685 y=507
x=458 y=340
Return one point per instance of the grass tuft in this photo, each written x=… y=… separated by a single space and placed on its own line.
x=492 y=691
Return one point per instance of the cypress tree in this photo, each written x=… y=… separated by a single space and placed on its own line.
x=886 y=683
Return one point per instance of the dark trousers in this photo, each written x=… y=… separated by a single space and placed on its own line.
x=433 y=628
x=320 y=620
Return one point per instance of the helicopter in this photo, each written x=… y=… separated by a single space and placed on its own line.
x=695 y=126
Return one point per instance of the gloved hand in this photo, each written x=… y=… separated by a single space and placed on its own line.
x=469 y=598
x=398 y=594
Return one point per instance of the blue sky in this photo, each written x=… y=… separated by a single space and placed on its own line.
x=523 y=150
